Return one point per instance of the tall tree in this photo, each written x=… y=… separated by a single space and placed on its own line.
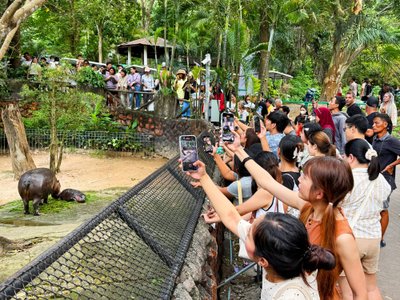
x=147 y=7
x=352 y=33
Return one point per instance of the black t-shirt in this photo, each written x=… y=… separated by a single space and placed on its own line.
x=290 y=179
x=388 y=149
x=354 y=109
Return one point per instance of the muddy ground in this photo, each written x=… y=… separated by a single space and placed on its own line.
x=102 y=179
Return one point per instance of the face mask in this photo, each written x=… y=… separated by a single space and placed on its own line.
x=303 y=112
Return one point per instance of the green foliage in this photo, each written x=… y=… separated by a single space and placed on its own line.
x=55 y=206
x=123 y=145
x=99 y=117
x=4 y=91
x=301 y=82
x=87 y=76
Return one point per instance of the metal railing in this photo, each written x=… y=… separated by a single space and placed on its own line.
x=94 y=140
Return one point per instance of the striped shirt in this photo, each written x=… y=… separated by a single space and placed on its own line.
x=367 y=225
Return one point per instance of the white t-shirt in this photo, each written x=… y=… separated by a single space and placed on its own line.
x=290 y=289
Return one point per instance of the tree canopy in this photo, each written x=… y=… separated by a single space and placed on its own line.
x=327 y=40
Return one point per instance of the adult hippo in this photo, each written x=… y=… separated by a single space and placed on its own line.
x=72 y=195
x=37 y=185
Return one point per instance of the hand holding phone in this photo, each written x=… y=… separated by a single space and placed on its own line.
x=188 y=152
x=227 y=122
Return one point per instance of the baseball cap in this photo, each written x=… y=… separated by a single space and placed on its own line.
x=372 y=102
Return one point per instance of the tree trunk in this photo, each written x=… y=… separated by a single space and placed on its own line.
x=53 y=136
x=146 y=13
x=166 y=53
x=174 y=45
x=219 y=50
x=265 y=80
x=14 y=129
x=264 y=35
x=100 y=43
x=73 y=37
x=342 y=58
x=225 y=36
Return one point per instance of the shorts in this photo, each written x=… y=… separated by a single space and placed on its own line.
x=386 y=202
x=369 y=250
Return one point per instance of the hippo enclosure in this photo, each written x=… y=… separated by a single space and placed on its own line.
x=133 y=249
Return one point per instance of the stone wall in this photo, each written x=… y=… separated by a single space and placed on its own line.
x=165 y=131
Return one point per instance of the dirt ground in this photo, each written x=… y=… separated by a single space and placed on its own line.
x=108 y=178
x=83 y=171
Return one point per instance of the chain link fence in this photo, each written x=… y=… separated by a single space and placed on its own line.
x=133 y=249
x=94 y=140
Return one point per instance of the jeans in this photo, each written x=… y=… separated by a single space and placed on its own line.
x=137 y=96
x=186 y=105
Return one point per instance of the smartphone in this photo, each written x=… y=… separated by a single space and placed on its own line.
x=188 y=152
x=256 y=124
x=207 y=144
x=228 y=125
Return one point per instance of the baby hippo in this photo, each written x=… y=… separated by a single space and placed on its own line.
x=72 y=195
x=37 y=185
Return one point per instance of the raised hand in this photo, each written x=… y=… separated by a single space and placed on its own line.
x=197 y=174
x=236 y=143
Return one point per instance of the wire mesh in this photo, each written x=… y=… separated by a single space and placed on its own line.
x=133 y=249
x=96 y=140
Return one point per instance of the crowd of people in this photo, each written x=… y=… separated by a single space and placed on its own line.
x=308 y=198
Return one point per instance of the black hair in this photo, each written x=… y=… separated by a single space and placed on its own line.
x=311 y=127
x=238 y=166
x=112 y=68
x=280 y=119
x=305 y=107
x=358 y=148
x=269 y=100
x=283 y=241
x=359 y=122
x=386 y=118
x=285 y=109
x=287 y=146
x=269 y=162
x=340 y=101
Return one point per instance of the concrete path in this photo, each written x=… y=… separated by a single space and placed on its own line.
x=389 y=264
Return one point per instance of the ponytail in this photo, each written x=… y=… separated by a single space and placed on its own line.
x=316 y=258
x=374 y=168
x=332 y=150
x=323 y=142
x=362 y=151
